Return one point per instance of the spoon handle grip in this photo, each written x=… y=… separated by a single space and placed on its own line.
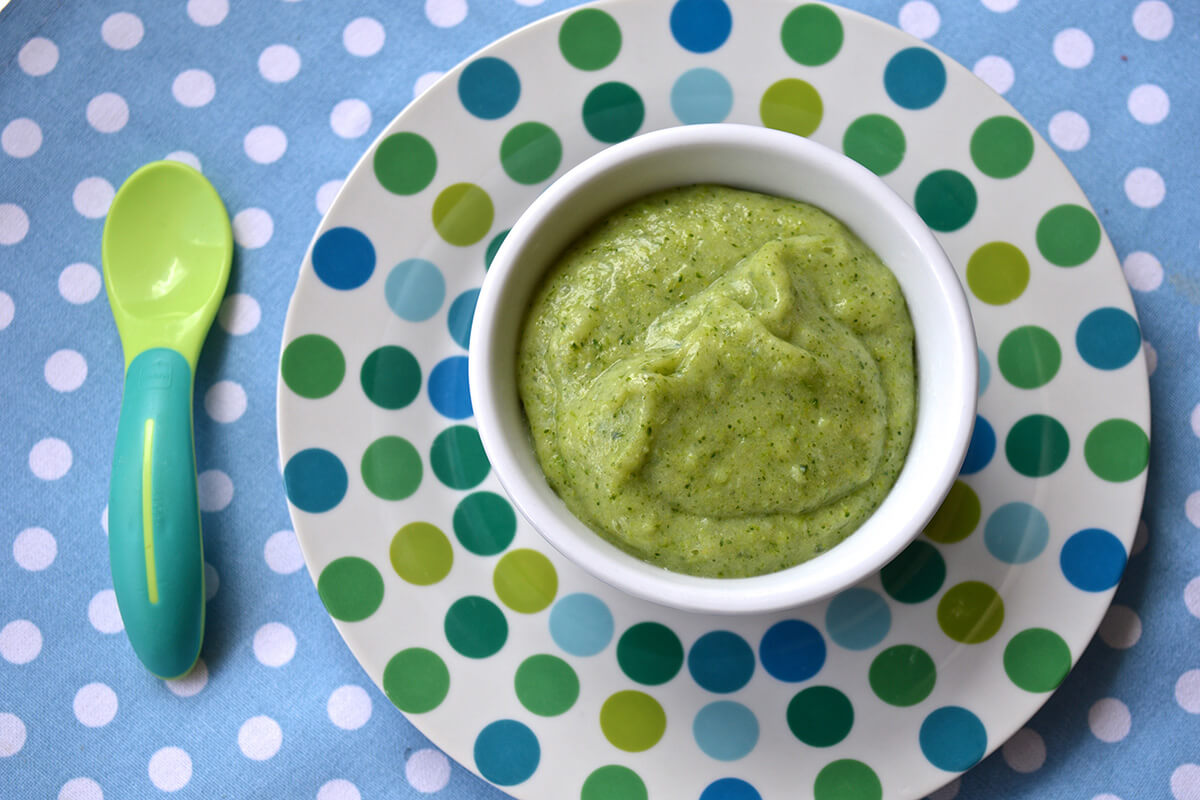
x=154 y=540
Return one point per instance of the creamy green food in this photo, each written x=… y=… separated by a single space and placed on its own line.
x=719 y=382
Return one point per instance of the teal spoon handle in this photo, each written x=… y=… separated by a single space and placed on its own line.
x=154 y=516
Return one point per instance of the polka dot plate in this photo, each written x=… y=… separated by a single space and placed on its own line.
x=553 y=685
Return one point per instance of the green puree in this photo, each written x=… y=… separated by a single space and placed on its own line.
x=719 y=382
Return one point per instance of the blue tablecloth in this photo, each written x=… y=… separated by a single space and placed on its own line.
x=275 y=101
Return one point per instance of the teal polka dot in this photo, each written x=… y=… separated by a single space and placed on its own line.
x=475 y=627
x=581 y=624
x=485 y=523
x=953 y=739
x=613 y=112
x=415 y=289
x=915 y=78
x=489 y=88
x=507 y=752
x=946 y=200
x=701 y=95
x=460 y=316
x=315 y=480
x=1016 y=533
x=725 y=730
x=458 y=459
x=858 y=619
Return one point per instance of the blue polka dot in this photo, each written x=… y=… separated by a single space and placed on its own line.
x=985 y=373
x=1016 y=533
x=1108 y=338
x=581 y=624
x=792 y=651
x=858 y=619
x=725 y=730
x=489 y=88
x=721 y=661
x=315 y=480
x=507 y=752
x=701 y=25
x=730 y=789
x=1093 y=560
x=981 y=449
x=415 y=289
x=953 y=739
x=343 y=258
x=448 y=390
x=701 y=95
x=462 y=313
x=915 y=78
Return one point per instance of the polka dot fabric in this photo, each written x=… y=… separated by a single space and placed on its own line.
x=506 y=654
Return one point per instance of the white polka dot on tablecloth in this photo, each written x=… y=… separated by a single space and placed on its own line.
x=225 y=401
x=1196 y=419
x=104 y=520
x=1109 y=720
x=920 y=18
x=274 y=644
x=1145 y=187
x=1153 y=20
x=107 y=112
x=184 y=157
x=338 y=789
x=1151 y=356
x=1121 y=627
x=21 y=138
x=279 y=63
x=265 y=144
x=92 y=197
x=122 y=31
x=1073 y=48
x=1185 y=782
x=350 y=118
x=1187 y=691
x=12 y=734
x=194 y=88
x=7 y=310
x=170 y=769
x=1149 y=104
x=207 y=12
x=1000 y=6
x=349 y=707
x=252 y=228
x=1191 y=597
x=65 y=370
x=1025 y=751
x=1191 y=507
x=212 y=581
x=20 y=641
x=190 y=684
x=81 y=789
x=445 y=13
x=1143 y=271
x=95 y=705
x=326 y=194
x=215 y=490
x=425 y=81
x=239 y=314
x=50 y=459
x=363 y=37
x=79 y=283
x=103 y=612
x=34 y=549
x=1106 y=796
x=427 y=770
x=259 y=738
x=14 y=223
x=282 y=552
x=38 y=56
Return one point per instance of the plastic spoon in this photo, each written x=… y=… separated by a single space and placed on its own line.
x=166 y=250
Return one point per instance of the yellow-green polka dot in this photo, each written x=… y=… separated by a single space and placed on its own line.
x=632 y=721
x=463 y=214
x=791 y=105
x=421 y=554
x=970 y=612
x=525 y=581
x=998 y=273
x=957 y=517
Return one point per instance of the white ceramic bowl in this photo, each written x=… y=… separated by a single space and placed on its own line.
x=771 y=162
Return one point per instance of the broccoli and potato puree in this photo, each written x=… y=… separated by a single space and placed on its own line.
x=719 y=382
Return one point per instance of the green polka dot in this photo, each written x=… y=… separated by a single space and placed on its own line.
x=632 y=721
x=957 y=517
x=405 y=163
x=1068 y=235
x=946 y=200
x=997 y=273
x=613 y=782
x=791 y=105
x=876 y=142
x=1029 y=357
x=485 y=523
x=530 y=152
x=820 y=716
x=493 y=247
x=312 y=366
x=421 y=554
x=812 y=35
x=391 y=377
x=1037 y=660
x=1117 y=450
x=458 y=459
x=416 y=680
x=391 y=468
x=970 y=612
x=546 y=685
x=612 y=112
x=589 y=39
x=351 y=588
x=915 y=575
x=903 y=675
x=462 y=214
x=1001 y=147
x=650 y=653
x=1037 y=445
x=525 y=581
x=847 y=779
x=475 y=627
